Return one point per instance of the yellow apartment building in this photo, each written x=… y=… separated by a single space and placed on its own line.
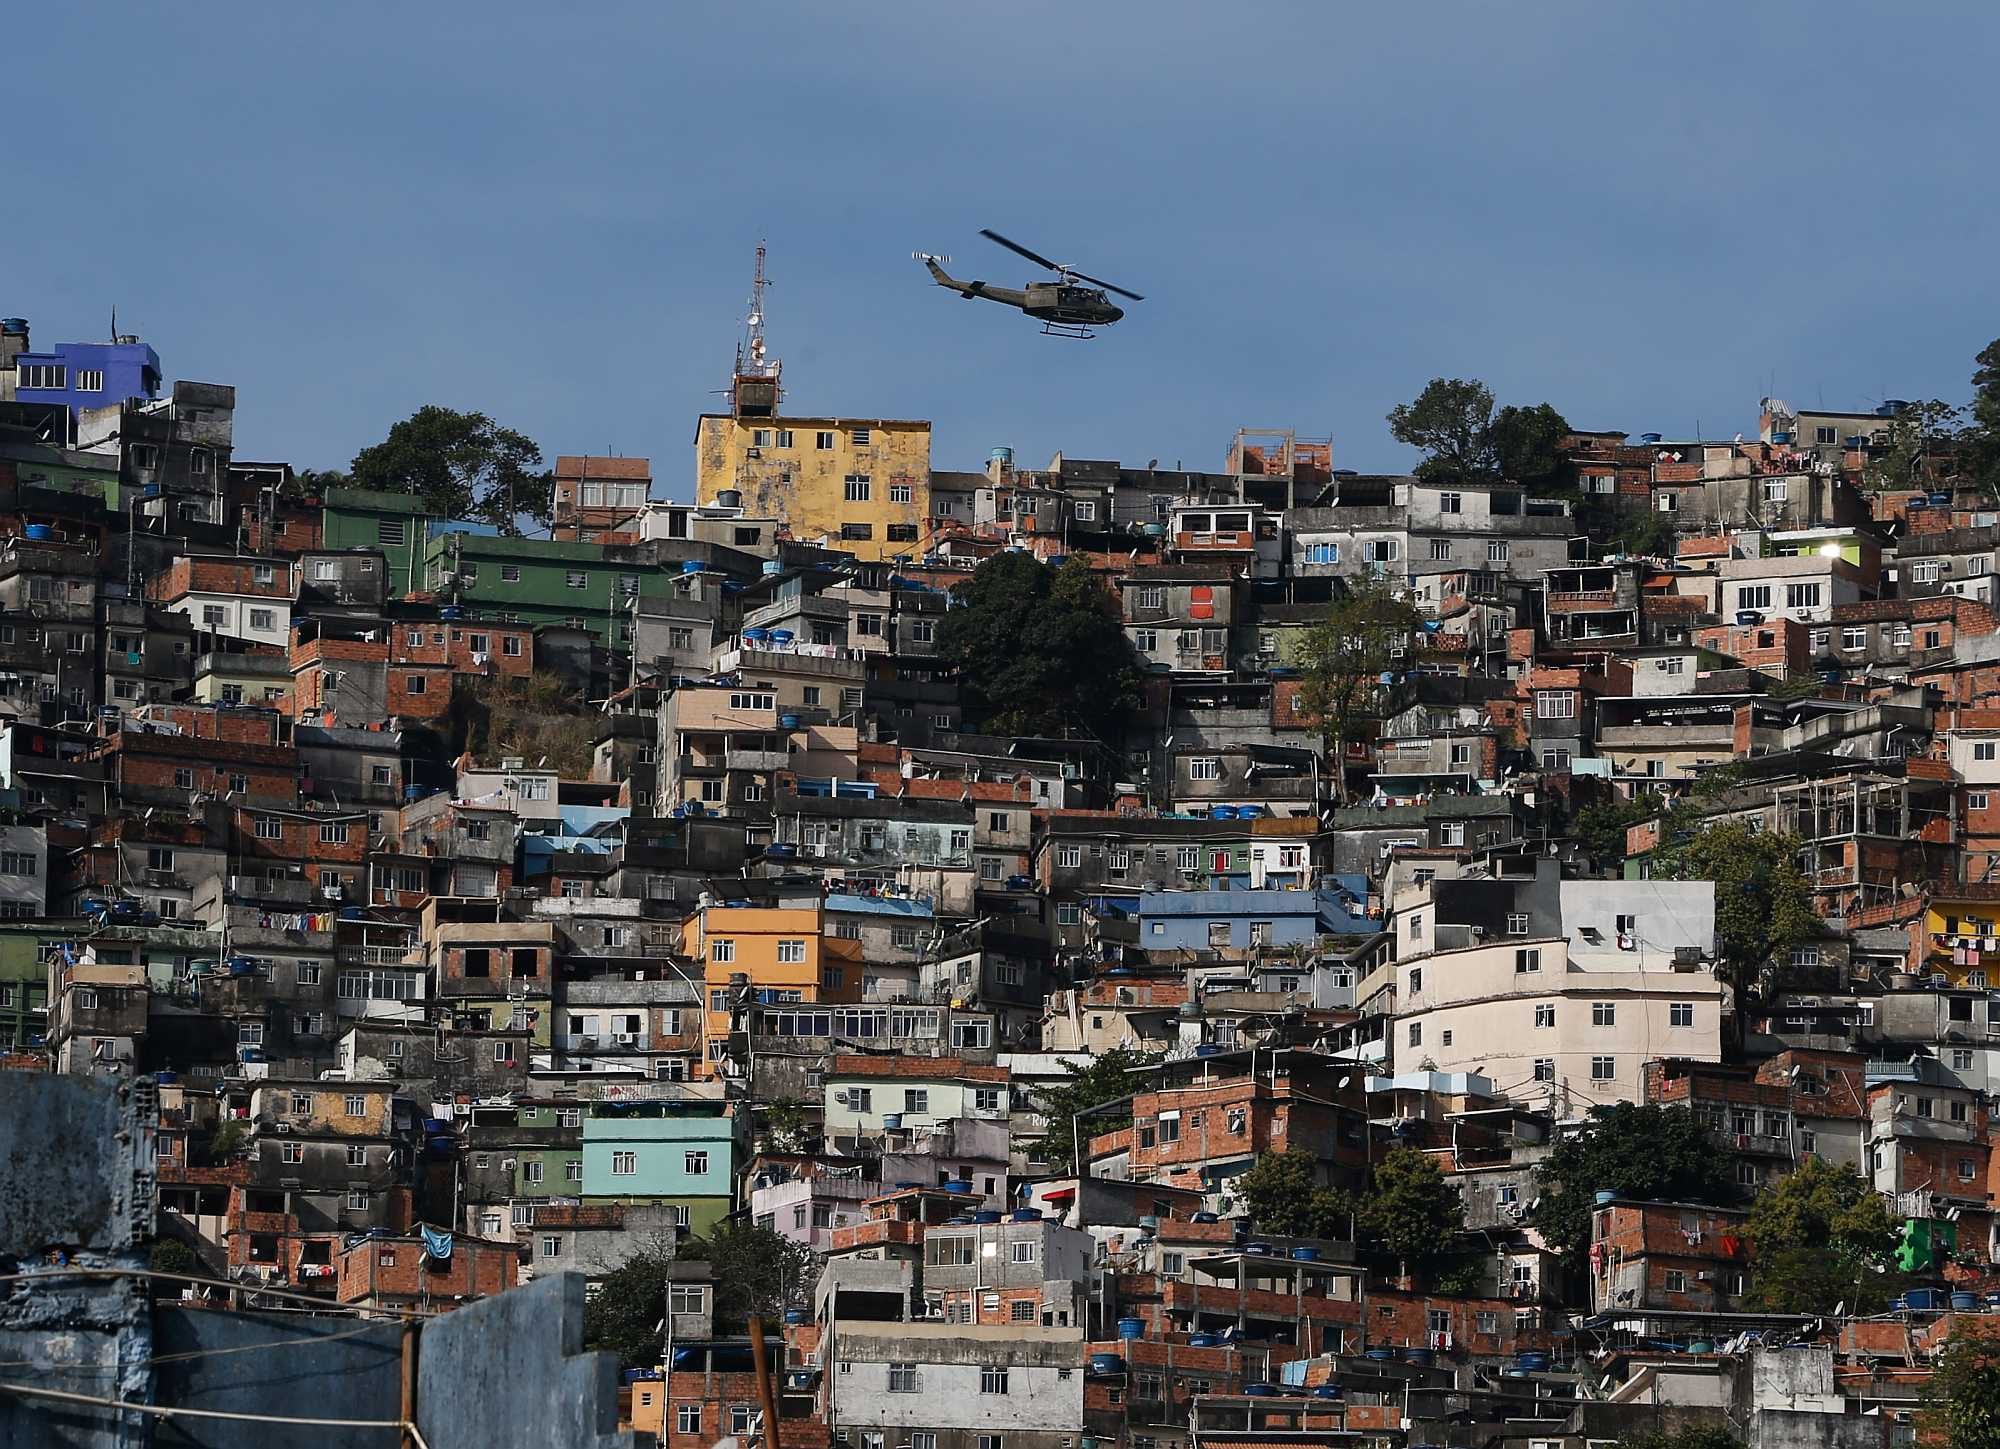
x=861 y=484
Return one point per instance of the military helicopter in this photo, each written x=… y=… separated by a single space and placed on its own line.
x=1064 y=308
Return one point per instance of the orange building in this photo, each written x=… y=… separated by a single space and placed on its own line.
x=776 y=953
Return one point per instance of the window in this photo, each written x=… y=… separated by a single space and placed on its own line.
x=1555 y=704
x=1517 y=924
x=90 y=379
x=1603 y=1013
x=1603 y=1069
x=902 y=1378
x=858 y=487
x=1451 y=503
x=1983 y=749
x=1802 y=596
x=858 y=437
x=1680 y=1013
x=1322 y=553
x=1545 y=1014
x=916 y=1100
x=1976 y=799
x=1676 y=1281
x=270 y=827
x=1545 y=1069
x=992 y=1380
x=48 y=375
x=1527 y=960
x=1497 y=550
x=696 y=1163
x=1416 y=1033
x=687 y=1418
x=1069 y=857
x=291 y=1152
x=417 y=684
x=1205 y=767
x=791 y=953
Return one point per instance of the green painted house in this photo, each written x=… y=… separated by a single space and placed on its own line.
x=396 y=523
x=538 y=582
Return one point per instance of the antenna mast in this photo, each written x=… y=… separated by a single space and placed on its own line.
x=754 y=388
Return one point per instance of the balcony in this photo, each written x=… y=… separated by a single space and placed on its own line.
x=756 y=760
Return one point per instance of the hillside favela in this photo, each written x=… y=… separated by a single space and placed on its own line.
x=891 y=951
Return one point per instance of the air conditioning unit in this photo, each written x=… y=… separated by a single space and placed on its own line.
x=843 y=1097
x=282 y=1128
x=329 y=893
x=624 y=1038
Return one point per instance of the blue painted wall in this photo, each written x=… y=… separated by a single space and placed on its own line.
x=131 y=370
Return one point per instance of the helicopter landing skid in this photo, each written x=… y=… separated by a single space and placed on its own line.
x=1065 y=329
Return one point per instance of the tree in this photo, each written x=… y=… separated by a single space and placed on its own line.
x=1452 y=421
x=1342 y=658
x=1410 y=1213
x=1918 y=436
x=463 y=465
x=623 y=1316
x=1815 y=1234
x=1601 y=825
x=1962 y=1401
x=1660 y=1153
x=1038 y=649
x=1527 y=443
x=1763 y=906
x=1982 y=437
x=758 y=1273
x=1101 y=1081
x=1284 y=1195
x=1688 y=1436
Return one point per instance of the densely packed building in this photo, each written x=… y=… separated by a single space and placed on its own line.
x=747 y=918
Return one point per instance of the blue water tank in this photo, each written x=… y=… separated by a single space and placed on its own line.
x=1940 y=500
x=1326 y=1391
x=1249 y=812
x=1202 y=1340
x=1927 y=1299
x=986 y=1215
x=1222 y=812
x=1259 y=1250
x=450 y=611
x=1131 y=1328
x=691 y=566
x=1649 y=437
x=1205 y=1218
x=1781 y=439
x=1605 y=1196
x=797 y=1316
x=1421 y=1357
x=772 y=566
x=757 y=635
x=1965 y=1302
x=1305 y=1255
x=788 y=721
x=1381 y=1355
x=1533 y=1363
x=1107 y=1363
x=892 y=1121
x=957 y=1187
x=40 y=532
x=1261 y=1391
x=998 y=455
x=1890 y=406
x=782 y=636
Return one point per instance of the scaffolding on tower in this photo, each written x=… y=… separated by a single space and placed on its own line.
x=754 y=390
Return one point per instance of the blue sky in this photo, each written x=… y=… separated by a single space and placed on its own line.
x=1647 y=215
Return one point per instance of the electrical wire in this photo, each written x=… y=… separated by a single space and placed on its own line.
x=196 y=1353
x=168 y=1411
x=324 y=1306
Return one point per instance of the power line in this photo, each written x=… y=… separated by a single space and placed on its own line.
x=167 y=1411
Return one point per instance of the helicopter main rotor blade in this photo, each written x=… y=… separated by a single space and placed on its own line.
x=1036 y=257
x=1108 y=286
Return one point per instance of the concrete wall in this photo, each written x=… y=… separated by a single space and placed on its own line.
x=511 y=1370
x=79 y=1155
x=354 y=1371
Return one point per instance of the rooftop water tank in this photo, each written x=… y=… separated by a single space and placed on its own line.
x=757 y=634
x=1222 y=812
x=1890 y=407
x=1003 y=456
x=1649 y=437
x=986 y=1215
x=1131 y=1328
x=40 y=532
x=729 y=498
x=782 y=636
x=772 y=566
x=691 y=566
x=892 y=1121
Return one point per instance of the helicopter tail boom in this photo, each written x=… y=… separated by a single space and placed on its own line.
x=1010 y=296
